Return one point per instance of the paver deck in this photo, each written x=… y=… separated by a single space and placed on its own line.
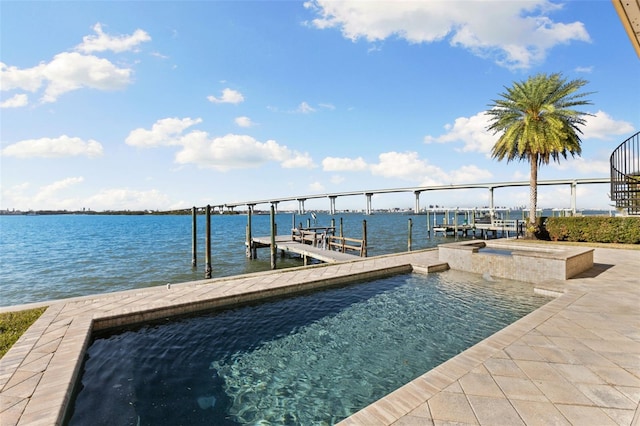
x=575 y=360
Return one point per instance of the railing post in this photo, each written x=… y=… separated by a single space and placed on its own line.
x=207 y=267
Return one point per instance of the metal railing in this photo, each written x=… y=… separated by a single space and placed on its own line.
x=625 y=175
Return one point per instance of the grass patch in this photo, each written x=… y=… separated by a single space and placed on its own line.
x=14 y=324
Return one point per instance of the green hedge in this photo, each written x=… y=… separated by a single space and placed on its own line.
x=594 y=229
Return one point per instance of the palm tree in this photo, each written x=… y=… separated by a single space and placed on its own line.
x=538 y=123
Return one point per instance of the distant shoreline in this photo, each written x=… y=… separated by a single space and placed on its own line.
x=188 y=211
x=92 y=213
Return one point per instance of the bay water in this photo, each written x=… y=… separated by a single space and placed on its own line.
x=47 y=257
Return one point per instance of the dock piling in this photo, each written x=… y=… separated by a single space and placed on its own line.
x=274 y=249
x=410 y=225
x=364 y=238
x=250 y=251
x=455 y=225
x=194 y=238
x=207 y=255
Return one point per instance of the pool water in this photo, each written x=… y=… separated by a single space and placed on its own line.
x=311 y=359
x=496 y=251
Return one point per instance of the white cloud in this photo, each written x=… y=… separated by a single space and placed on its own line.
x=164 y=132
x=410 y=167
x=54 y=196
x=66 y=72
x=305 y=108
x=229 y=96
x=471 y=131
x=584 y=166
x=335 y=164
x=72 y=71
x=316 y=187
x=29 y=79
x=602 y=126
x=515 y=34
x=222 y=153
x=69 y=71
x=101 y=42
x=236 y=152
x=47 y=193
x=15 y=101
x=298 y=160
x=470 y=173
x=244 y=121
x=585 y=70
x=404 y=165
x=159 y=55
x=126 y=199
x=63 y=146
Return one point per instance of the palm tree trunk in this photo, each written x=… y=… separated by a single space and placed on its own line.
x=533 y=197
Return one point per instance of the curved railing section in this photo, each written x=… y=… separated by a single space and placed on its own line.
x=625 y=175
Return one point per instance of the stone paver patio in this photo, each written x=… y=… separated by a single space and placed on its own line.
x=575 y=360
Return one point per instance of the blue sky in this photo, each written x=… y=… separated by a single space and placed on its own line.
x=163 y=105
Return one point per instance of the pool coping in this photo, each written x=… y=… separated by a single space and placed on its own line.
x=38 y=374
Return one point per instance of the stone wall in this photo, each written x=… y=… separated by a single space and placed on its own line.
x=519 y=262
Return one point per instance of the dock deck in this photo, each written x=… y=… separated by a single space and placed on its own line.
x=286 y=243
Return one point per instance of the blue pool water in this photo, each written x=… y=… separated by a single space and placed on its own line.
x=311 y=359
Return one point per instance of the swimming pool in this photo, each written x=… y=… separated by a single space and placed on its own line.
x=310 y=359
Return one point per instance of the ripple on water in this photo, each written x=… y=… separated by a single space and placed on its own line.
x=313 y=359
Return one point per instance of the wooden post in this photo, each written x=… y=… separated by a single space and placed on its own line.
x=364 y=238
x=409 y=237
x=293 y=222
x=249 y=243
x=274 y=249
x=341 y=235
x=194 y=238
x=455 y=224
x=308 y=223
x=428 y=226
x=207 y=255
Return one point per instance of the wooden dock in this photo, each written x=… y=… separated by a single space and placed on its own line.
x=318 y=243
x=285 y=243
x=486 y=229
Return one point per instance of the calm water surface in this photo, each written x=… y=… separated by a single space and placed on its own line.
x=53 y=257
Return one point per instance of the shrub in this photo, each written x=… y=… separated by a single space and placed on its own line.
x=594 y=229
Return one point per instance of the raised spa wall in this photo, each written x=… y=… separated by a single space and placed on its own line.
x=519 y=261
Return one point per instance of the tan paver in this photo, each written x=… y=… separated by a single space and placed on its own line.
x=575 y=360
